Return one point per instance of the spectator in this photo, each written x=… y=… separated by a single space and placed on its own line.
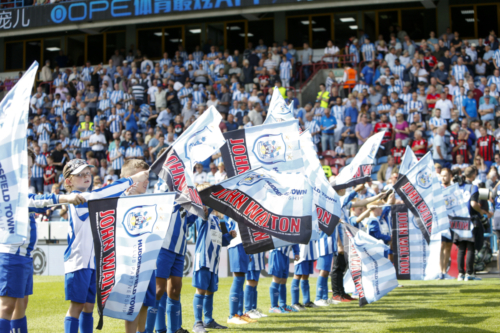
x=387 y=169
x=255 y=115
x=98 y=142
x=200 y=177
x=363 y=130
x=350 y=138
x=440 y=148
x=220 y=175
x=419 y=145
x=328 y=125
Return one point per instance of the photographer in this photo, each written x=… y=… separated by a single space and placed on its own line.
x=470 y=194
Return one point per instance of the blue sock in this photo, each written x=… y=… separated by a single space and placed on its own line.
x=173 y=314
x=282 y=294
x=274 y=293
x=160 y=323
x=180 y=312
x=70 y=325
x=19 y=325
x=86 y=322
x=254 y=296
x=5 y=325
x=198 y=307
x=151 y=318
x=325 y=288
x=295 y=291
x=241 y=301
x=235 y=294
x=208 y=308
x=305 y=291
x=248 y=298
x=319 y=288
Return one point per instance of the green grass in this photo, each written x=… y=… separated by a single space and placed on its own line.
x=420 y=306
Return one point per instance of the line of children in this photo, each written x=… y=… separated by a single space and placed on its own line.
x=16 y=262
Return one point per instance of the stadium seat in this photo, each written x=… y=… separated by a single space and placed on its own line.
x=382 y=160
x=328 y=160
x=374 y=176
x=349 y=160
x=335 y=170
x=338 y=162
x=329 y=153
x=376 y=168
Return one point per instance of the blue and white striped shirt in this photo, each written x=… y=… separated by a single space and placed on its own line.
x=238 y=96
x=437 y=121
x=86 y=73
x=114 y=125
x=43 y=135
x=405 y=97
x=184 y=92
x=57 y=104
x=117 y=164
x=308 y=252
x=198 y=97
x=134 y=152
x=104 y=104
x=368 y=50
x=167 y=62
x=413 y=105
x=84 y=134
x=191 y=62
x=116 y=96
x=257 y=262
x=338 y=112
x=459 y=71
x=58 y=81
x=398 y=70
x=209 y=244
x=67 y=104
x=80 y=251
x=496 y=57
x=383 y=107
x=175 y=240
x=38 y=171
x=313 y=127
x=285 y=68
x=354 y=52
x=198 y=56
x=495 y=80
x=75 y=143
x=394 y=88
x=36 y=204
x=359 y=87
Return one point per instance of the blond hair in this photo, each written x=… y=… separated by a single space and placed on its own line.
x=131 y=165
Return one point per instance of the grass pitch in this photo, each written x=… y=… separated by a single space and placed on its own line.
x=420 y=306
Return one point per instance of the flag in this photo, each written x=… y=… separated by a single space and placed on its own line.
x=267 y=202
x=458 y=211
x=408 y=161
x=175 y=166
x=267 y=146
x=373 y=274
x=128 y=234
x=14 y=182
x=278 y=110
x=421 y=191
x=414 y=258
x=326 y=201
x=359 y=171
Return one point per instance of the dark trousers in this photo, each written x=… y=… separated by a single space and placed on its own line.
x=337 y=275
x=37 y=183
x=462 y=247
x=99 y=154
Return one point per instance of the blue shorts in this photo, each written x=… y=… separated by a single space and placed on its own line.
x=253 y=275
x=16 y=275
x=325 y=263
x=278 y=264
x=169 y=264
x=205 y=280
x=238 y=259
x=150 y=298
x=305 y=268
x=80 y=286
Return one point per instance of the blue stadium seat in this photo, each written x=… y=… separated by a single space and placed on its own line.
x=382 y=160
x=375 y=169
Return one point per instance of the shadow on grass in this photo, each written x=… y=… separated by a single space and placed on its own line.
x=439 y=329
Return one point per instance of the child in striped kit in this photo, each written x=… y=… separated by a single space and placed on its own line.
x=16 y=262
x=303 y=268
x=255 y=265
x=206 y=268
x=279 y=263
x=79 y=261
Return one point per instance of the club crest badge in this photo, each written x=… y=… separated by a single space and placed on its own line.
x=253 y=178
x=140 y=220
x=198 y=141
x=373 y=151
x=424 y=178
x=450 y=201
x=270 y=148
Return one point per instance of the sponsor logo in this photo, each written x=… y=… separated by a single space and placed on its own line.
x=253 y=178
x=270 y=148
x=198 y=141
x=424 y=179
x=140 y=220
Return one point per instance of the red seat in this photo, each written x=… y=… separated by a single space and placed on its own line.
x=329 y=153
x=338 y=162
x=335 y=171
x=328 y=160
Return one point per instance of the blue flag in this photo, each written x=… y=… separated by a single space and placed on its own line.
x=14 y=183
x=175 y=166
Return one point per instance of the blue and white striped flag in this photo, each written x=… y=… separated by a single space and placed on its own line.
x=273 y=146
x=326 y=201
x=14 y=182
x=128 y=235
x=413 y=259
x=359 y=171
x=407 y=162
x=278 y=110
x=421 y=191
x=373 y=274
x=458 y=211
x=175 y=166
x=266 y=201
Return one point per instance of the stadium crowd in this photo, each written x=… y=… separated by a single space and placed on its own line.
x=439 y=95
